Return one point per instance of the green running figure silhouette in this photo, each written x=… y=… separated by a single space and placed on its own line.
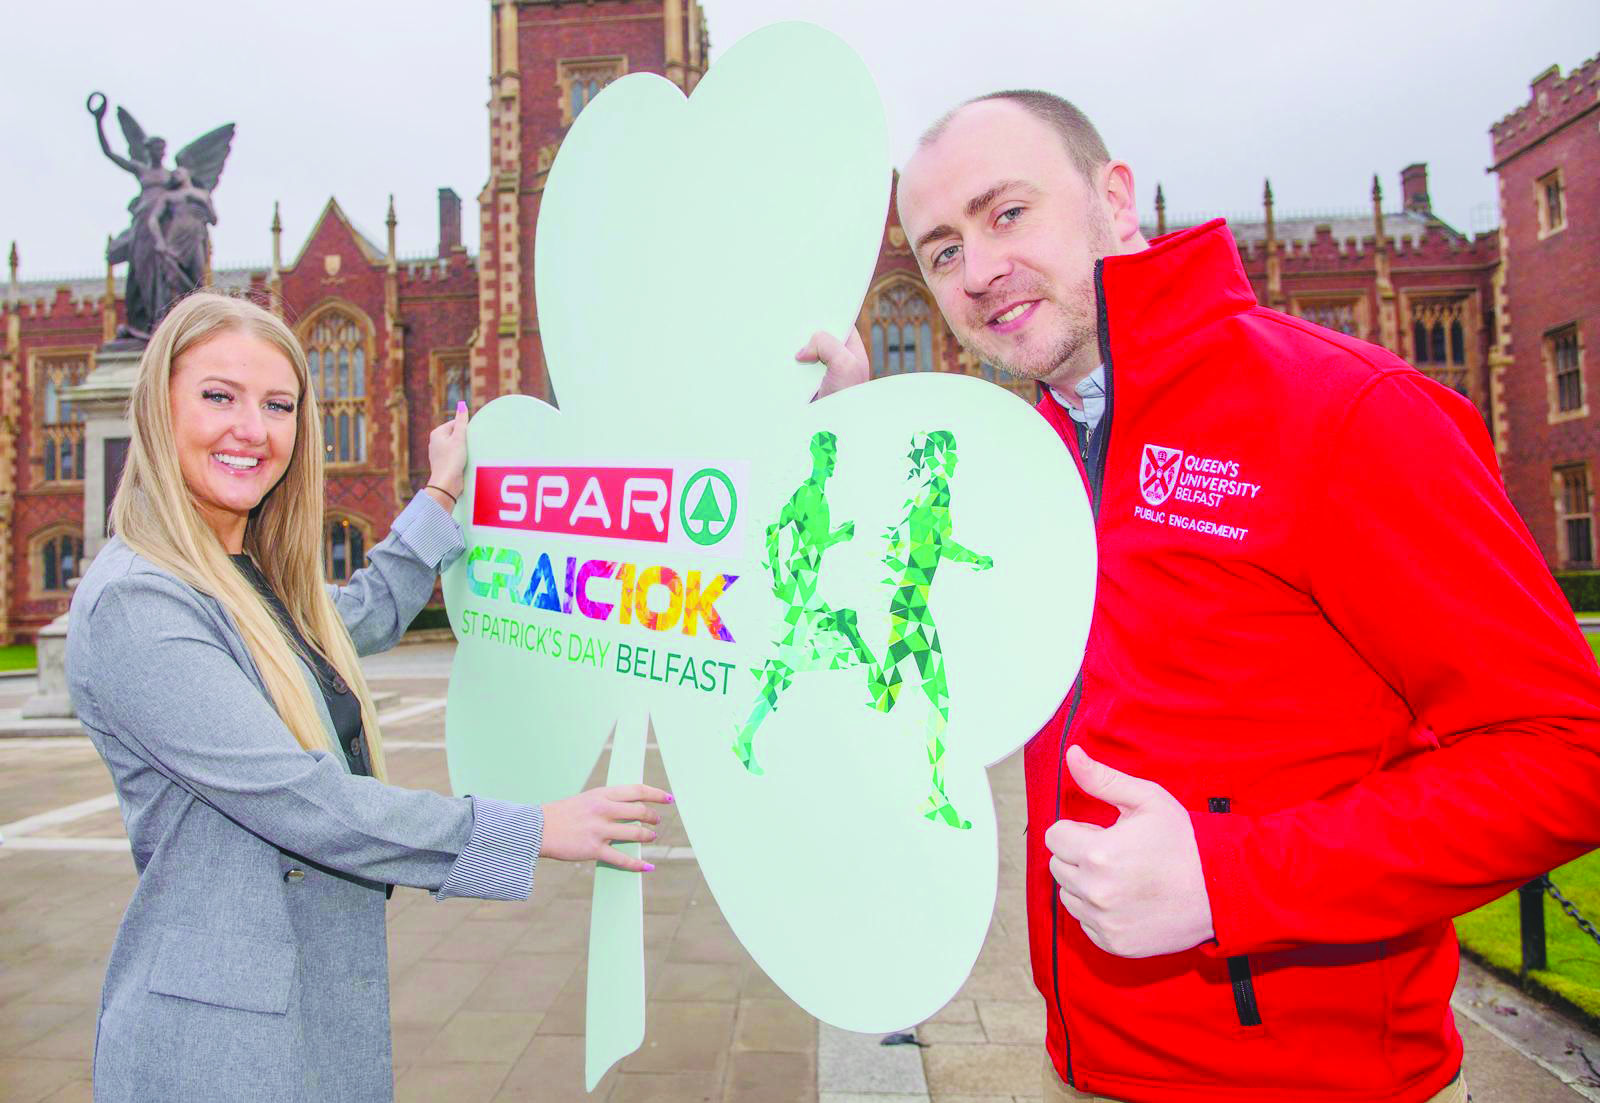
x=916 y=547
x=819 y=637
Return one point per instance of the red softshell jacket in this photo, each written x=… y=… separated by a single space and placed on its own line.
x=1322 y=627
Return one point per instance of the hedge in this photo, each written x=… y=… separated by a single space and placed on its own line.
x=432 y=616
x=1582 y=589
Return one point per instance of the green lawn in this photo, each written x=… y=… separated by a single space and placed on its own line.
x=19 y=656
x=1493 y=933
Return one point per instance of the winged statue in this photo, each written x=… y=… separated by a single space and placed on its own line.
x=165 y=243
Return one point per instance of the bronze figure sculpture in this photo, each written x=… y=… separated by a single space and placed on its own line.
x=165 y=246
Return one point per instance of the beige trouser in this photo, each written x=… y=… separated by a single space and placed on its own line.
x=1057 y=1090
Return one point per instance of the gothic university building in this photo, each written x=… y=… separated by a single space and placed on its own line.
x=393 y=342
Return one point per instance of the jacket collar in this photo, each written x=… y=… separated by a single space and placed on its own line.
x=1184 y=281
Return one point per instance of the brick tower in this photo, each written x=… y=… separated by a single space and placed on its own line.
x=1548 y=294
x=548 y=59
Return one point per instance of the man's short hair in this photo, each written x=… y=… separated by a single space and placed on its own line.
x=1083 y=143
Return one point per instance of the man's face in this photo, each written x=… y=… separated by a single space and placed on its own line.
x=1007 y=231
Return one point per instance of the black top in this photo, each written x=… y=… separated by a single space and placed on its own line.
x=343 y=706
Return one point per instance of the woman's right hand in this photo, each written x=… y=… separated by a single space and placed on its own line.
x=846 y=361
x=582 y=828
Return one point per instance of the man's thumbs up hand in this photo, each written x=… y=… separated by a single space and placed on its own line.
x=1135 y=887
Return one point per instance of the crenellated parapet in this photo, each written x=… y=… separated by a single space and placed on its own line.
x=1554 y=102
x=438 y=275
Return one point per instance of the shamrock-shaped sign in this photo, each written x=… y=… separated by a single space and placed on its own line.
x=833 y=614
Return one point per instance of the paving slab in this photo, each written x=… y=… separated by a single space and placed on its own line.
x=488 y=999
x=851 y=1063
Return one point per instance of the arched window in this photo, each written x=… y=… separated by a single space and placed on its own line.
x=582 y=78
x=902 y=330
x=1439 y=338
x=1342 y=314
x=336 y=356
x=452 y=380
x=60 y=422
x=57 y=557
x=347 y=548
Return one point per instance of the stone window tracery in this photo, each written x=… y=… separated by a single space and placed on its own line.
x=57 y=556
x=1439 y=340
x=346 y=547
x=58 y=420
x=581 y=79
x=336 y=346
x=452 y=381
x=1574 y=515
x=902 y=330
x=1345 y=314
x=1550 y=195
x=1564 y=364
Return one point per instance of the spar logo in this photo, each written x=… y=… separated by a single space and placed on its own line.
x=627 y=502
x=693 y=506
x=1158 y=472
x=716 y=504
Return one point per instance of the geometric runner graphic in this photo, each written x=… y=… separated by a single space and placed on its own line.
x=917 y=546
x=818 y=636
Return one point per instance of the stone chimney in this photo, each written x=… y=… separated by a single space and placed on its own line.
x=1414 y=188
x=449 y=222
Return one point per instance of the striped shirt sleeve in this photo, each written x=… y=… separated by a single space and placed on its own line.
x=498 y=861
x=429 y=531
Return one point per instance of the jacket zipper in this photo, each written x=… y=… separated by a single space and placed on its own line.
x=1094 y=465
x=1244 y=986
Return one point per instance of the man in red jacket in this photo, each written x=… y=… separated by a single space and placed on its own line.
x=1331 y=697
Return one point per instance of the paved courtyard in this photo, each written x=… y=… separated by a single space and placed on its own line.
x=488 y=998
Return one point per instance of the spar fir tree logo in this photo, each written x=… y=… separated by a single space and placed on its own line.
x=715 y=506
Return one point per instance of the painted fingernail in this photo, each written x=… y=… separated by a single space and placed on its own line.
x=648 y=868
x=669 y=798
x=461 y=406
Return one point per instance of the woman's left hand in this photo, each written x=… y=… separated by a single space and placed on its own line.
x=447 y=455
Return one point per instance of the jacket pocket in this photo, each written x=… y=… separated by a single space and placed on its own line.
x=1239 y=975
x=224 y=970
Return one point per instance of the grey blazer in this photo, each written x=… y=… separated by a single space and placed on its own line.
x=251 y=963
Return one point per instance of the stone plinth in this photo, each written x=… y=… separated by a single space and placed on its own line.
x=51 y=700
x=103 y=398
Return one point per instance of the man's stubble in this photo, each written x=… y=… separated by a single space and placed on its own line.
x=1078 y=305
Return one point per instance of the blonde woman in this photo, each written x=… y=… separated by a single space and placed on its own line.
x=218 y=677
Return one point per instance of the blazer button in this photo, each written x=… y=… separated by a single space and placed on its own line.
x=340 y=686
x=294 y=875
x=355 y=746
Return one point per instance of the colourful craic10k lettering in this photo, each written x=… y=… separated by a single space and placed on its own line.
x=691 y=601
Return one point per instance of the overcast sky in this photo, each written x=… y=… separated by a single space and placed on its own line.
x=363 y=99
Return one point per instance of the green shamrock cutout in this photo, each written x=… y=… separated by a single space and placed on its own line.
x=690 y=546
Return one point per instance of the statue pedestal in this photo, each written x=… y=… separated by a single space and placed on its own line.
x=103 y=398
x=51 y=701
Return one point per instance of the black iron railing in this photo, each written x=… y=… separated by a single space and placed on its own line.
x=1530 y=906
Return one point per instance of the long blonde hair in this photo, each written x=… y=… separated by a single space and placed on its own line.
x=156 y=515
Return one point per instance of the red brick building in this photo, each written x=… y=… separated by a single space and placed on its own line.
x=1402 y=279
x=393 y=343
x=1547 y=156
